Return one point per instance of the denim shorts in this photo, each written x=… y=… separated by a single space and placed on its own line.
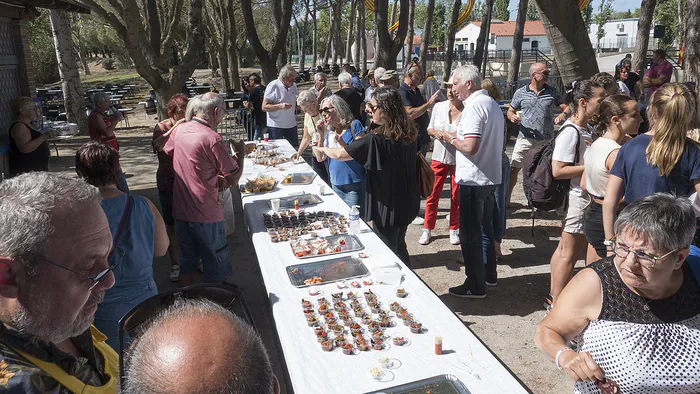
x=208 y=242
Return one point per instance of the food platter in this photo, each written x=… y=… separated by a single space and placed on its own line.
x=260 y=184
x=330 y=270
x=304 y=199
x=299 y=178
x=441 y=384
x=333 y=244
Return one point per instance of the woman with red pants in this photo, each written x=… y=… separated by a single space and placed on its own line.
x=445 y=117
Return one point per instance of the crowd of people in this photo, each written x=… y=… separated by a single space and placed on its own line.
x=629 y=204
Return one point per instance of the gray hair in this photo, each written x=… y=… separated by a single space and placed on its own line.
x=345 y=79
x=342 y=108
x=378 y=73
x=31 y=207
x=665 y=221
x=247 y=369
x=306 y=97
x=97 y=97
x=203 y=106
x=320 y=75
x=287 y=71
x=468 y=73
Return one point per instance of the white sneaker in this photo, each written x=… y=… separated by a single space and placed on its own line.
x=418 y=221
x=447 y=217
x=425 y=237
x=174 y=273
x=454 y=237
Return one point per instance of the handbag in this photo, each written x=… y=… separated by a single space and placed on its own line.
x=425 y=175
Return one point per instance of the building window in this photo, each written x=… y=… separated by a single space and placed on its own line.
x=620 y=27
x=526 y=39
x=493 y=38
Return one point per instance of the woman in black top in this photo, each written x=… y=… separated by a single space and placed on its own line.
x=389 y=157
x=29 y=150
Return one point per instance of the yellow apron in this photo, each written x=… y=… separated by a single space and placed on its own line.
x=111 y=368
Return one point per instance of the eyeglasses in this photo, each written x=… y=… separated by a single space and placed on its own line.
x=326 y=110
x=372 y=107
x=645 y=259
x=95 y=279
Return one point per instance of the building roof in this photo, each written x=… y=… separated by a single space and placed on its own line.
x=417 y=40
x=65 y=5
x=507 y=28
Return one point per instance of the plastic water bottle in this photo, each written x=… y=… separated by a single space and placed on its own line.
x=354 y=218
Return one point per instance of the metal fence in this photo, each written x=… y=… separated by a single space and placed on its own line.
x=239 y=124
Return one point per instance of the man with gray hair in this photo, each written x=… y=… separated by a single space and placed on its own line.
x=320 y=88
x=531 y=109
x=54 y=271
x=479 y=143
x=169 y=355
x=280 y=102
x=202 y=164
x=350 y=95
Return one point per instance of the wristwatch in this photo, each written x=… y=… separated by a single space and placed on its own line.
x=452 y=141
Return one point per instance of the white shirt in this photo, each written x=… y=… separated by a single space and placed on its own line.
x=623 y=89
x=277 y=93
x=596 y=172
x=443 y=152
x=482 y=118
x=565 y=149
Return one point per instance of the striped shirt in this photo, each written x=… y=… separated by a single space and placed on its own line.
x=538 y=118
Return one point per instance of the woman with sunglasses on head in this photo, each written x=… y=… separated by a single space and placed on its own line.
x=617 y=120
x=388 y=156
x=338 y=129
x=635 y=314
x=141 y=237
x=662 y=160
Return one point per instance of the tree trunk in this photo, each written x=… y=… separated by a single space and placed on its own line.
x=516 y=50
x=351 y=31
x=83 y=59
x=393 y=12
x=268 y=59
x=482 y=40
x=329 y=39
x=233 y=59
x=213 y=61
x=302 y=55
x=388 y=48
x=642 y=43
x=338 y=44
x=363 y=39
x=425 y=43
x=411 y=31
x=450 y=47
x=568 y=39
x=223 y=63
x=692 y=49
x=358 y=36
x=314 y=44
x=67 y=67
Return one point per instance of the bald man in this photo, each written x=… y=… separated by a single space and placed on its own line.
x=174 y=356
x=534 y=102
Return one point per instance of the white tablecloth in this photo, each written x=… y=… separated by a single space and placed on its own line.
x=314 y=371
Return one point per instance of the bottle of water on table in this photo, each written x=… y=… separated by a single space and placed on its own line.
x=354 y=218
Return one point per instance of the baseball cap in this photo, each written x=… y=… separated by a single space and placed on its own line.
x=448 y=83
x=389 y=74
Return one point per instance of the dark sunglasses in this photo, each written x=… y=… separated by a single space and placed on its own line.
x=326 y=110
x=372 y=107
x=224 y=294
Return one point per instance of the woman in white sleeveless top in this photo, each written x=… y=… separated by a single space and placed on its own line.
x=618 y=119
x=635 y=314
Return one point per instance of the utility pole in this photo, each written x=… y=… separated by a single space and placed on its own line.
x=488 y=38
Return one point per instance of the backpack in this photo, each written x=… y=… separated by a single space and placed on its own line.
x=543 y=191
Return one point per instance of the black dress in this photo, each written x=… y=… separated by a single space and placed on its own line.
x=36 y=160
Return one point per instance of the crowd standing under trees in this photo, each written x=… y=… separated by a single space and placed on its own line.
x=627 y=199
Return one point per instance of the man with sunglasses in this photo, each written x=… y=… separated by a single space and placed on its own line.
x=531 y=109
x=55 y=244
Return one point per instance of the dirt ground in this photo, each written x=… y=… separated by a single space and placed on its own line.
x=505 y=321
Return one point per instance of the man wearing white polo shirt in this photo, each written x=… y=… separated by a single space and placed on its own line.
x=479 y=142
x=280 y=102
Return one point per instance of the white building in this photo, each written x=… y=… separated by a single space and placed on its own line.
x=619 y=34
x=501 y=37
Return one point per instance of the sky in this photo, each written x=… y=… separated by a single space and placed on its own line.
x=618 y=5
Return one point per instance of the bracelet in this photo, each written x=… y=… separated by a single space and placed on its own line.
x=452 y=141
x=556 y=358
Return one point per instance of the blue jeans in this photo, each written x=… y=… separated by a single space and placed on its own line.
x=122 y=186
x=499 y=207
x=208 y=242
x=476 y=235
x=352 y=194
x=260 y=130
x=290 y=134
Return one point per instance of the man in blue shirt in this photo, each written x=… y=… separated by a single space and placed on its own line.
x=416 y=106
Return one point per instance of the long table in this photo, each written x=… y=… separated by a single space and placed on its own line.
x=314 y=371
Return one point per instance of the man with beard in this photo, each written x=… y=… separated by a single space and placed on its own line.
x=54 y=271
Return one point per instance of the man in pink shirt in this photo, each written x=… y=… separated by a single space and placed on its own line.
x=659 y=73
x=201 y=162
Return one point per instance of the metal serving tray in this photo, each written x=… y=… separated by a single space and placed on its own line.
x=305 y=199
x=300 y=178
x=331 y=270
x=441 y=384
x=352 y=244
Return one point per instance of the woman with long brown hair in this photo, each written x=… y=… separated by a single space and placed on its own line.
x=388 y=155
x=662 y=160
